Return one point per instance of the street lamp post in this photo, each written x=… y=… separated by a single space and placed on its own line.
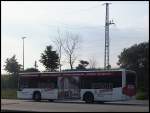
x=23 y=51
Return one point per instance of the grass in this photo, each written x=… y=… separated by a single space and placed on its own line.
x=8 y=93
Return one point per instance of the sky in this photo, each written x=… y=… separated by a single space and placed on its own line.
x=39 y=22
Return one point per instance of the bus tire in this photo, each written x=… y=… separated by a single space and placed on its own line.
x=37 y=96
x=50 y=100
x=88 y=97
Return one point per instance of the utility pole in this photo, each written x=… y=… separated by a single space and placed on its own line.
x=23 y=51
x=107 y=23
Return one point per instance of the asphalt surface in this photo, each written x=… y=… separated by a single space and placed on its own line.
x=74 y=106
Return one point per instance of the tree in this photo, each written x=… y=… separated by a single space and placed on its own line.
x=12 y=66
x=70 y=46
x=108 y=67
x=137 y=58
x=83 y=64
x=31 y=70
x=92 y=63
x=59 y=43
x=49 y=59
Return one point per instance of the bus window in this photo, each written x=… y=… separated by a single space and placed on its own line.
x=48 y=82
x=38 y=82
x=100 y=82
x=102 y=86
x=130 y=78
x=23 y=83
x=28 y=82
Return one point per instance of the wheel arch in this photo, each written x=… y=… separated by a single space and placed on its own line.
x=36 y=91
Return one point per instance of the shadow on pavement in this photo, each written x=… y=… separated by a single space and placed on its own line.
x=98 y=103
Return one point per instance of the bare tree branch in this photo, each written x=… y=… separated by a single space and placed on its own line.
x=70 y=46
x=59 y=43
x=92 y=63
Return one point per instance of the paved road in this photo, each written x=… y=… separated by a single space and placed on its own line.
x=74 y=106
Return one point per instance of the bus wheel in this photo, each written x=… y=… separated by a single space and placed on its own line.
x=88 y=97
x=51 y=100
x=37 y=96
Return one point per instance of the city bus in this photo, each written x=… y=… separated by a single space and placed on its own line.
x=89 y=86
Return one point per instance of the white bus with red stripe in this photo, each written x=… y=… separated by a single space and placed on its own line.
x=89 y=86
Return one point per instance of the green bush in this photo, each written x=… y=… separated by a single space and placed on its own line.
x=141 y=96
x=9 y=82
x=8 y=94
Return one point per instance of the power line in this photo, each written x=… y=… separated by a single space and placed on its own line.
x=66 y=26
x=83 y=10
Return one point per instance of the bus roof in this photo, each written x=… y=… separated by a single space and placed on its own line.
x=70 y=72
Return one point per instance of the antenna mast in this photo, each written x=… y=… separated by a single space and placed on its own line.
x=107 y=23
